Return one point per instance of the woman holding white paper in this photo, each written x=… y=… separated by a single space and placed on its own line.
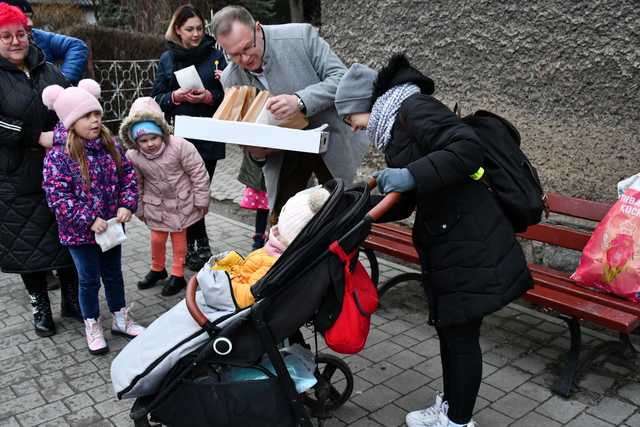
x=87 y=181
x=188 y=47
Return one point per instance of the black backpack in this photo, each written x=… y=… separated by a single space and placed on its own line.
x=508 y=172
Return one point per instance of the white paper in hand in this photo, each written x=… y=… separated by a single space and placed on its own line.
x=188 y=78
x=112 y=237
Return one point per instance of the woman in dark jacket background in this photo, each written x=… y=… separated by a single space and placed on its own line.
x=188 y=45
x=471 y=261
x=29 y=242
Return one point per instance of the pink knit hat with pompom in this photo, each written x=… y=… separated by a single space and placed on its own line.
x=72 y=103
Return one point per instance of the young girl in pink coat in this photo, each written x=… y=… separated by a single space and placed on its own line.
x=173 y=185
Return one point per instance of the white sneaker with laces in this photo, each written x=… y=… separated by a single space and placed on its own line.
x=95 y=336
x=443 y=421
x=124 y=325
x=424 y=417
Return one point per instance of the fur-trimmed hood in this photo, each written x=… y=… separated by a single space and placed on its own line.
x=399 y=71
x=143 y=109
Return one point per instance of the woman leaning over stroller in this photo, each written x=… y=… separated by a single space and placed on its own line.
x=471 y=262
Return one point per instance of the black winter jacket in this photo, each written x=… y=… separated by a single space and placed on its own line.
x=471 y=261
x=28 y=231
x=202 y=57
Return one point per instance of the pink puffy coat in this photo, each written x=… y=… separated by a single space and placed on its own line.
x=172 y=186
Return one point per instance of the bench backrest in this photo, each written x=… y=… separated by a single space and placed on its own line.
x=565 y=236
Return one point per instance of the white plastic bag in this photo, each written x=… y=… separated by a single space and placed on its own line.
x=112 y=237
x=626 y=183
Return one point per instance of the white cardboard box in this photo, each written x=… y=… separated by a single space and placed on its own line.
x=252 y=134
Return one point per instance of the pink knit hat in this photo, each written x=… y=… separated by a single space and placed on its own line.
x=72 y=103
x=146 y=104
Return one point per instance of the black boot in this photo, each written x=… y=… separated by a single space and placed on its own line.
x=42 y=319
x=193 y=261
x=52 y=281
x=258 y=241
x=173 y=285
x=204 y=251
x=152 y=278
x=69 y=305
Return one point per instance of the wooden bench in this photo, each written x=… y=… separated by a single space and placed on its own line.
x=553 y=290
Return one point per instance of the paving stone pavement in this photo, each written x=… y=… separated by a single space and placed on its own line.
x=56 y=382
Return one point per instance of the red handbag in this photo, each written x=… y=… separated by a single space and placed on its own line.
x=349 y=333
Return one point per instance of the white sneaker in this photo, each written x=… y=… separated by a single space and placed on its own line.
x=443 y=421
x=425 y=417
x=124 y=325
x=95 y=336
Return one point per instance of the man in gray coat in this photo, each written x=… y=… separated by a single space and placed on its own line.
x=302 y=73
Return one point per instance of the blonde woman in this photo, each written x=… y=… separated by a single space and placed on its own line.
x=188 y=45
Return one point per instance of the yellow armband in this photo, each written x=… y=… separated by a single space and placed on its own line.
x=479 y=174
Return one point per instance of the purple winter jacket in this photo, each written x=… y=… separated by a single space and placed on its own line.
x=77 y=206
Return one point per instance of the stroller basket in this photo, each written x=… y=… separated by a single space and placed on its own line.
x=216 y=401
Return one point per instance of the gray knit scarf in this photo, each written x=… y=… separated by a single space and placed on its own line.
x=384 y=112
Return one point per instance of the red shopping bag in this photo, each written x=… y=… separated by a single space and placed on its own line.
x=349 y=333
x=611 y=259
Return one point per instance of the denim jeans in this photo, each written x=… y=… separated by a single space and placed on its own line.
x=92 y=265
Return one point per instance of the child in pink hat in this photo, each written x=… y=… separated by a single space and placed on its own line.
x=87 y=181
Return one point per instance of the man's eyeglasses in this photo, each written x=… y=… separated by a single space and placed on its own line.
x=7 y=38
x=234 y=56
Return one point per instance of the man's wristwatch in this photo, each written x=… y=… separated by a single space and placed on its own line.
x=301 y=106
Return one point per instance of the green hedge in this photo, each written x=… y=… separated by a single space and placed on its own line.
x=110 y=43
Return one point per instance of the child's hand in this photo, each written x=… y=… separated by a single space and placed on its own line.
x=46 y=139
x=218 y=74
x=123 y=215
x=203 y=211
x=99 y=226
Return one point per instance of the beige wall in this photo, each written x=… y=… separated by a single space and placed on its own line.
x=567 y=73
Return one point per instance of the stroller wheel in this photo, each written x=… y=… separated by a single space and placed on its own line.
x=334 y=387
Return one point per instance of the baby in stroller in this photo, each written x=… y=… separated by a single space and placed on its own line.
x=245 y=272
x=225 y=288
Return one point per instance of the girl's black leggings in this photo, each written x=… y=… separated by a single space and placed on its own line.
x=461 y=368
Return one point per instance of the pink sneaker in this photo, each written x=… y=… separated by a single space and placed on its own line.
x=124 y=325
x=95 y=336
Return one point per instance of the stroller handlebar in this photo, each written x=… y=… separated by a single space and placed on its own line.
x=192 y=306
x=383 y=207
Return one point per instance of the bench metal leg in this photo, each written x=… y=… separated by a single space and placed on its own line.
x=626 y=342
x=569 y=370
x=373 y=265
x=404 y=277
x=575 y=364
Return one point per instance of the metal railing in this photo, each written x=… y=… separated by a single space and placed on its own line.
x=122 y=82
